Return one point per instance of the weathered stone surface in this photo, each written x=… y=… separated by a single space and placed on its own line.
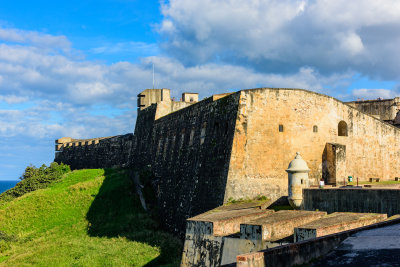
x=384 y=109
x=210 y=239
x=204 y=249
x=306 y=252
x=230 y=147
x=277 y=225
x=260 y=153
x=334 y=223
x=106 y=152
x=189 y=152
x=226 y=222
x=353 y=200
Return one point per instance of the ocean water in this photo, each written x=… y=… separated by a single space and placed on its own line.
x=5 y=185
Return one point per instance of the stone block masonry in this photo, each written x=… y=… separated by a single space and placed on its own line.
x=278 y=225
x=105 y=152
x=238 y=145
x=273 y=124
x=305 y=252
x=212 y=238
x=334 y=223
x=353 y=200
x=226 y=222
x=189 y=153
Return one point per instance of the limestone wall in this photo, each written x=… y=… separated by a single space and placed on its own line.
x=189 y=153
x=152 y=96
x=261 y=153
x=104 y=152
x=384 y=109
x=353 y=200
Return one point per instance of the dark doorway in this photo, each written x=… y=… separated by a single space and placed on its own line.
x=334 y=163
x=342 y=128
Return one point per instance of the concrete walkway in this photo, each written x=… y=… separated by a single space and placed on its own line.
x=376 y=247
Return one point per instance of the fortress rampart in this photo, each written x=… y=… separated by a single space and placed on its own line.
x=383 y=109
x=272 y=124
x=104 y=152
x=238 y=145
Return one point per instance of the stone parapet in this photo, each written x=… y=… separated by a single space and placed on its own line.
x=361 y=200
x=66 y=142
x=103 y=152
x=334 y=223
x=278 y=225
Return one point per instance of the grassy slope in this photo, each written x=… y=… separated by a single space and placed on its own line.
x=89 y=218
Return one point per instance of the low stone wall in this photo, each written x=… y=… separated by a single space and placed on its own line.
x=301 y=252
x=353 y=200
x=213 y=239
x=107 y=152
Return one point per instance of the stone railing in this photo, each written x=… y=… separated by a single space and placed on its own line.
x=65 y=142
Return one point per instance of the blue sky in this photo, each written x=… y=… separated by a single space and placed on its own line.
x=74 y=68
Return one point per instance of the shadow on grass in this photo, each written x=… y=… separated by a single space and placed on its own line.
x=116 y=212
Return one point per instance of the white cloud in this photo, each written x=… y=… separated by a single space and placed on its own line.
x=38 y=39
x=284 y=36
x=373 y=93
x=59 y=92
x=13 y=99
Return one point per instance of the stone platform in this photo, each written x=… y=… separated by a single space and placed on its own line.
x=278 y=225
x=212 y=238
x=334 y=223
x=226 y=220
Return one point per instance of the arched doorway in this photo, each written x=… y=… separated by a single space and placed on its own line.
x=342 y=128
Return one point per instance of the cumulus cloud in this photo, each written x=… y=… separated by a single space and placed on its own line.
x=37 y=74
x=373 y=93
x=38 y=39
x=284 y=36
x=13 y=99
x=207 y=47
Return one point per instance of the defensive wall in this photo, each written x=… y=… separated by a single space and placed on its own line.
x=189 y=153
x=353 y=200
x=238 y=145
x=383 y=109
x=104 y=152
x=335 y=139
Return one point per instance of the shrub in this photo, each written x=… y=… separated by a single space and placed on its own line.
x=35 y=178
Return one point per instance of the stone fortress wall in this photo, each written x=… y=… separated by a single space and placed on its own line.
x=238 y=145
x=103 y=152
x=383 y=109
x=273 y=124
x=190 y=153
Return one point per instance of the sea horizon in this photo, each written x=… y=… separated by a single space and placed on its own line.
x=7 y=184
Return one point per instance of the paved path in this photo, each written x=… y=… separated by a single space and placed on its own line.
x=376 y=247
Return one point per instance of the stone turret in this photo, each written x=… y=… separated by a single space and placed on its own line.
x=152 y=96
x=298 y=179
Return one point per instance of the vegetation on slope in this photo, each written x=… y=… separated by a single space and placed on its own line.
x=35 y=178
x=88 y=218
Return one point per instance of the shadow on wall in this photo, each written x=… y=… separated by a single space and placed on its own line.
x=116 y=212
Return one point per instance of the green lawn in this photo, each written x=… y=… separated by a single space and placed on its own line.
x=375 y=183
x=89 y=218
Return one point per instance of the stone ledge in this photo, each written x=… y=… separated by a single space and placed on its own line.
x=278 y=225
x=334 y=223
